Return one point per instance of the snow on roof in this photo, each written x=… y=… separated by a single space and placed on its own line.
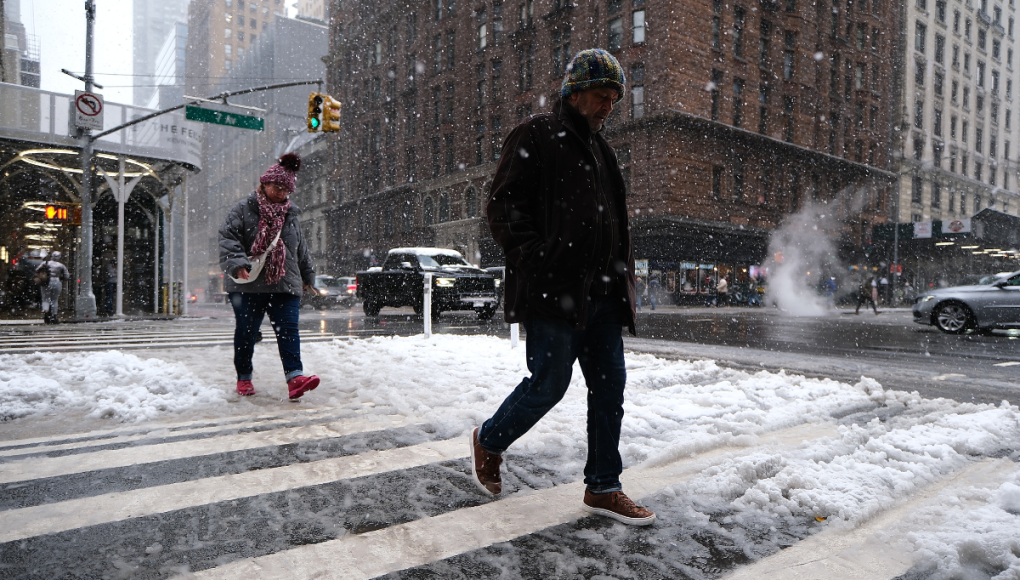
x=426 y=252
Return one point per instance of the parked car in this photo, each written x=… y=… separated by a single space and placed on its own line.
x=499 y=273
x=981 y=306
x=456 y=285
x=330 y=292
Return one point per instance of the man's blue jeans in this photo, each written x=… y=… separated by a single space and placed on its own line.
x=249 y=310
x=552 y=348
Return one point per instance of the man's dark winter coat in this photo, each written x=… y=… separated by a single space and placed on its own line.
x=237 y=234
x=545 y=209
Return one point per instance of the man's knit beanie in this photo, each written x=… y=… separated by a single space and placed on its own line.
x=283 y=172
x=593 y=69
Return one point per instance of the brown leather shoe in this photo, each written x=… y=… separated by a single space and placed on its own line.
x=618 y=506
x=485 y=467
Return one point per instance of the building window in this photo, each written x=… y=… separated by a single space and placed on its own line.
x=717 y=173
x=637 y=101
x=937 y=83
x=940 y=11
x=936 y=195
x=919 y=114
x=918 y=147
x=436 y=167
x=979 y=139
x=916 y=189
x=639 y=26
x=497 y=80
x=789 y=103
x=919 y=72
x=790 y=41
x=738 y=101
x=428 y=212
x=480 y=143
x=412 y=165
x=561 y=51
x=615 y=34
x=920 y=32
x=480 y=85
x=497 y=24
x=716 y=34
x=714 y=92
x=738 y=33
x=982 y=38
x=955 y=90
x=763 y=43
x=738 y=179
x=444 y=207
x=952 y=127
x=966 y=29
x=936 y=123
x=497 y=137
x=471 y=202
x=763 y=109
x=996 y=49
x=450 y=166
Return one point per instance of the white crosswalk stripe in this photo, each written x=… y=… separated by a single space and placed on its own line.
x=91 y=339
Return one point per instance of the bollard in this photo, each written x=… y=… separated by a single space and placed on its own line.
x=426 y=310
x=515 y=334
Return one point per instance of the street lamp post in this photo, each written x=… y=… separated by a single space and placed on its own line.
x=85 y=300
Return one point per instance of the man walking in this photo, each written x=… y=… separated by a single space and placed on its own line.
x=556 y=207
x=55 y=274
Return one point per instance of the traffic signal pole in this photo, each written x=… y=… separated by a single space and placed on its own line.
x=85 y=299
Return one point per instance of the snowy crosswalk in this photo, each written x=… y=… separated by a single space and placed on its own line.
x=71 y=339
x=314 y=528
x=762 y=475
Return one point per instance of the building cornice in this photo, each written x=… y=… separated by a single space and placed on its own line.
x=693 y=121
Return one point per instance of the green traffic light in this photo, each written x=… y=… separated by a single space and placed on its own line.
x=315 y=123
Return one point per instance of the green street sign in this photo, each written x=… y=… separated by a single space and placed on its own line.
x=223 y=118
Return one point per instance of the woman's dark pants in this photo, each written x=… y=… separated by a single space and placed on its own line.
x=249 y=310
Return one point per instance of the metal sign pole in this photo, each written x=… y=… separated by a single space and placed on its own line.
x=186 y=293
x=85 y=301
x=426 y=311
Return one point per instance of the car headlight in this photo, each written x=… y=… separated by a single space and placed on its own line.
x=926 y=298
x=323 y=292
x=498 y=282
x=445 y=282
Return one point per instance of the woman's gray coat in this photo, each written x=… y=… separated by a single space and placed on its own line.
x=237 y=234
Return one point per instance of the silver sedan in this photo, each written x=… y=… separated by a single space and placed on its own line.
x=981 y=306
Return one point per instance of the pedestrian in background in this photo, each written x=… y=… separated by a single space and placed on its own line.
x=886 y=296
x=640 y=291
x=264 y=253
x=653 y=290
x=722 y=291
x=829 y=287
x=50 y=276
x=557 y=207
x=867 y=292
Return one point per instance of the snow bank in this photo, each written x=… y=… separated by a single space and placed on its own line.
x=102 y=385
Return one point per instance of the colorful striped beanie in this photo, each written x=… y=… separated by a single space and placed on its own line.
x=593 y=69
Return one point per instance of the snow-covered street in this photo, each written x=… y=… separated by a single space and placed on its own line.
x=149 y=460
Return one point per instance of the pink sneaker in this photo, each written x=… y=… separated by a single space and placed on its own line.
x=245 y=388
x=300 y=385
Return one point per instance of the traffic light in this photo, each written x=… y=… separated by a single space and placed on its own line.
x=330 y=114
x=314 y=112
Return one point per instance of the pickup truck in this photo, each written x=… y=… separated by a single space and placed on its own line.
x=456 y=285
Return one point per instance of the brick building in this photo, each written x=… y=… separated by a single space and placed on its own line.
x=736 y=115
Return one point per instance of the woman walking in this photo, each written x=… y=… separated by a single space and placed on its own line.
x=263 y=251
